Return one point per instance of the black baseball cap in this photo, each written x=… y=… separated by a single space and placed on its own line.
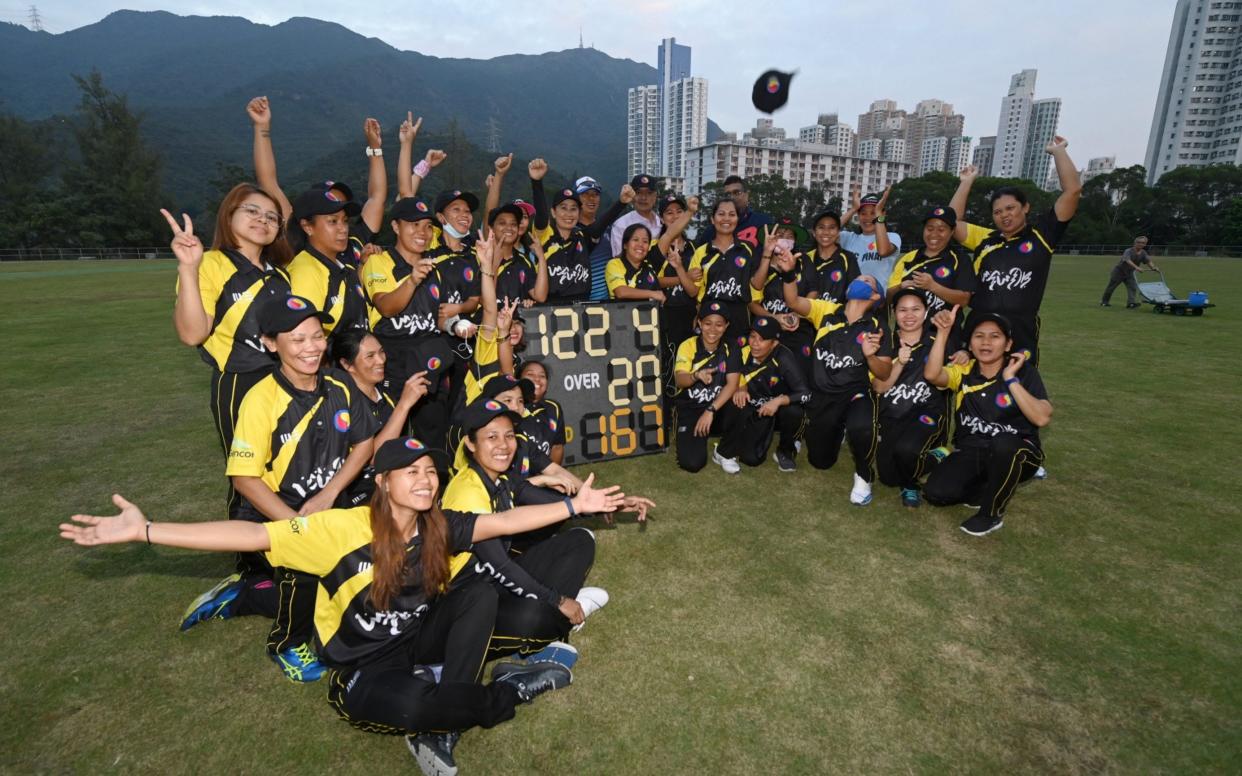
x=512 y=209
x=821 y=215
x=902 y=293
x=944 y=213
x=978 y=318
x=449 y=196
x=320 y=201
x=766 y=326
x=644 y=181
x=401 y=452
x=280 y=314
x=483 y=411
x=565 y=194
x=501 y=383
x=713 y=307
x=672 y=198
x=411 y=209
x=341 y=187
x=869 y=199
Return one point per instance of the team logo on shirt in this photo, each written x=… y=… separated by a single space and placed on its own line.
x=1026 y=247
x=1004 y=400
x=740 y=261
x=721 y=367
x=433 y=363
x=1026 y=354
x=521 y=276
x=942 y=272
x=468 y=274
x=862 y=335
x=340 y=421
x=552 y=424
x=806 y=350
x=927 y=420
x=434 y=290
x=836 y=276
x=525 y=469
x=871 y=245
x=774 y=85
x=414 y=444
x=773 y=379
x=491 y=405
x=293 y=303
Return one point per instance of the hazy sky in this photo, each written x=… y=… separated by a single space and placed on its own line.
x=1103 y=58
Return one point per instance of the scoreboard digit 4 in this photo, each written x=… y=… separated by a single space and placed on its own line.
x=604 y=365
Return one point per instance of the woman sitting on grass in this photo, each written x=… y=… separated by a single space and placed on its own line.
x=392 y=599
x=1001 y=405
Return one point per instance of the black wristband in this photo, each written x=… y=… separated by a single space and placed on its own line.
x=789 y=277
x=569 y=502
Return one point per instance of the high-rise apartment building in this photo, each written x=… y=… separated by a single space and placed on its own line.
x=958 y=155
x=1025 y=126
x=684 y=127
x=930 y=119
x=1045 y=114
x=666 y=118
x=1198 y=116
x=1100 y=165
x=672 y=62
x=830 y=131
x=643 y=130
x=982 y=158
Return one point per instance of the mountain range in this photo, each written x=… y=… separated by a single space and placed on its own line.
x=191 y=77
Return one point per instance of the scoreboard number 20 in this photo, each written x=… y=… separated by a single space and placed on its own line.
x=604 y=360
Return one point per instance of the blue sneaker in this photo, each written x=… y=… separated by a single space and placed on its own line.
x=939 y=453
x=299 y=663
x=215 y=604
x=556 y=652
x=910 y=498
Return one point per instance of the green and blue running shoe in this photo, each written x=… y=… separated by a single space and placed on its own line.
x=939 y=453
x=299 y=663
x=910 y=498
x=215 y=604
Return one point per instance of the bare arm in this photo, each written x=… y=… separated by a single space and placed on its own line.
x=495 y=182
x=673 y=230
x=192 y=322
x=933 y=368
x=263 y=498
x=377 y=178
x=966 y=179
x=359 y=456
x=131 y=526
x=264 y=157
x=528 y=518
x=405 y=155
x=1071 y=183
x=883 y=246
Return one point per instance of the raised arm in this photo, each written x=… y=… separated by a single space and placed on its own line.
x=883 y=246
x=966 y=179
x=785 y=264
x=880 y=385
x=405 y=156
x=1071 y=182
x=673 y=230
x=495 y=182
x=485 y=252
x=415 y=389
x=377 y=178
x=933 y=368
x=130 y=525
x=537 y=169
x=190 y=319
x=260 y=112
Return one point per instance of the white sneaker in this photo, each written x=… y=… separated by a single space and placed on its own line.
x=591 y=599
x=730 y=465
x=1041 y=473
x=860 y=495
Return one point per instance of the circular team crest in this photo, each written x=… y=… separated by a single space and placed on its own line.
x=1026 y=247
x=937 y=212
x=1004 y=400
x=714 y=307
x=927 y=420
x=340 y=421
x=871 y=245
x=521 y=276
x=414 y=444
x=774 y=85
x=740 y=261
x=566 y=193
x=861 y=336
x=434 y=290
x=491 y=405
x=433 y=363
x=552 y=423
x=942 y=272
x=332 y=195
x=421 y=206
x=293 y=303
x=773 y=379
x=525 y=465
x=836 y=276
x=721 y=367
x=468 y=274
x=806 y=350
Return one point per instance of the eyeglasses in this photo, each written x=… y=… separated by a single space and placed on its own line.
x=257 y=213
x=734 y=192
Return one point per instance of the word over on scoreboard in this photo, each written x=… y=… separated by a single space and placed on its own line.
x=604 y=368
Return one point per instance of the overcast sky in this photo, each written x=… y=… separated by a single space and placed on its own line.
x=1103 y=58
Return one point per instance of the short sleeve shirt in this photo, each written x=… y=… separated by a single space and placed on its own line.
x=869 y=260
x=333 y=287
x=984 y=407
x=952 y=268
x=1013 y=272
x=384 y=273
x=912 y=393
x=232 y=289
x=727 y=274
x=620 y=272
x=692 y=356
x=839 y=365
x=833 y=273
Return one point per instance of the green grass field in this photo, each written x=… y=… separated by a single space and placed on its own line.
x=760 y=624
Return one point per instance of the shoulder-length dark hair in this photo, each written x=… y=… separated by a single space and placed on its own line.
x=276 y=253
x=390 y=570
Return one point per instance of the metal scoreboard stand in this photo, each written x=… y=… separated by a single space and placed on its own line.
x=604 y=364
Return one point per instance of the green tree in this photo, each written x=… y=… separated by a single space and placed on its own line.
x=1189 y=204
x=113 y=190
x=28 y=203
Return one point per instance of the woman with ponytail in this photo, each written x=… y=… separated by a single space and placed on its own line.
x=393 y=598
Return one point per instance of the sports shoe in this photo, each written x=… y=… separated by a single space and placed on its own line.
x=910 y=498
x=1040 y=474
x=784 y=461
x=1105 y=304
x=860 y=495
x=532 y=679
x=939 y=453
x=434 y=752
x=980 y=524
x=730 y=465
x=591 y=599
x=556 y=652
x=215 y=604
x=299 y=663
x=1131 y=305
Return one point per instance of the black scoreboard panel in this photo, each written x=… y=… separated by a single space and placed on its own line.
x=603 y=361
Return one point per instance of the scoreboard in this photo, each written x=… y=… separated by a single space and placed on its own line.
x=603 y=362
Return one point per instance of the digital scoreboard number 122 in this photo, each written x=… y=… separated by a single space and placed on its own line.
x=603 y=361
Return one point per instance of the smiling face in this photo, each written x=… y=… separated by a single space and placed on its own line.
x=327 y=234
x=300 y=350
x=936 y=234
x=368 y=366
x=506 y=228
x=414 y=236
x=565 y=214
x=866 y=218
x=724 y=218
x=457 y=213
x=255 y=221
x=590 y=202
x=637 y=246
x=1009 y=214
x=671 y=213
x=827 y=231
x=713 y=327
x=538 y=376
x=988 y=343
x=494 y=445
x=412 y=487
x=911 y=311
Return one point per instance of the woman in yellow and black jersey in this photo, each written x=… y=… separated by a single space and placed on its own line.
x=1000 y=404
x=671 y=255
x=317 y=273
x=394 y=597
x=566 y=243
x=797 y=333
x=851 y=347
x=835 y=268
x=631 y=275
x=942 y=271
x=406 y=288
x=912 y=410
x=707 y=371
x=303 y=435
x=219 y=293
x=521 y=272
x=729 y=269
x=544 y=422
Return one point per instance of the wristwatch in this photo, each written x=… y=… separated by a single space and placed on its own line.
x=374 y=151
x=881 y=219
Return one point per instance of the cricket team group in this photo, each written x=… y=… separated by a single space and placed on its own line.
x=396 y=498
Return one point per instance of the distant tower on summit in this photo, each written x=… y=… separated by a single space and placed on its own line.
x=580 y=38
x=36 y=21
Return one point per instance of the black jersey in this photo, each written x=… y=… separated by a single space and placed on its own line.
x=515 y=277
x=674 y=296
x=544 y=424
x=726 y=359
x=912 y=393
x=232 y=290
x=777 y=375
x=1013 y=272
x=833 y=273
x=952 y=268
x=383 y=273
x=459 y=273
x=839 y=364
x=333 y=287
x=726 y=274
x=984 y=407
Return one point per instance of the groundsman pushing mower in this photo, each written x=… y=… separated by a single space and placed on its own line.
x=1162 y=299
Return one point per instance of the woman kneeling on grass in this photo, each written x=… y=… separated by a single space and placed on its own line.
x=1001 y=405
x=391 y=597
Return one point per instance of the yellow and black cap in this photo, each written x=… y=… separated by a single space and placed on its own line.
x=280 y=314
x=401 y=452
